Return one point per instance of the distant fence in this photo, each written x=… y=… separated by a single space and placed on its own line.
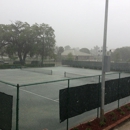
x=125 y=67
x=14 y=66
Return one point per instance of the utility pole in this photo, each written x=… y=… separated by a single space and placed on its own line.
x=103 y=64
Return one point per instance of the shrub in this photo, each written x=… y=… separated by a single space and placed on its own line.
x=119 y=109
x=75 y=129
x=44 y=65
x=128 y=108
x=88 y=129
x=112 y=114
x=35 y=63
x=114 y=118
x=102 y=123
x=89 y=123
x=16 y=63
x=70 y=57
x=122 y=113
x=105 y=119
x=7 y=66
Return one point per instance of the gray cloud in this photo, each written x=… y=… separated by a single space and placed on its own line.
x=76 y=23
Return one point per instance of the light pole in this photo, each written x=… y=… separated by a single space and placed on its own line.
x=103 y=63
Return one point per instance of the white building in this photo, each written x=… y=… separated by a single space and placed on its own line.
x=77 y=55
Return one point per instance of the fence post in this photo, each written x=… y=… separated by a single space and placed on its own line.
x=118 y=90
x=17 y=108
x=98 y=97
x=68 y=105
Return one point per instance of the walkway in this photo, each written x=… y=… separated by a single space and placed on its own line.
x=124 y=126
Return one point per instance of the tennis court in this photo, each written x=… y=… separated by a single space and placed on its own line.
x=39 y=97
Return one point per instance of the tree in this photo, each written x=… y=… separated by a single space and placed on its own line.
x=70 y=56
x=95 y=50
x=85 y=50
x=121 y=54
x=44 y=39
x=21 y=39
x=17 y=38
x=67 y=47
x=58 y=51
x=3 y=36
x=2 y=52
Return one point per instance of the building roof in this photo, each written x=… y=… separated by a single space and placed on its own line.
x=74 y=53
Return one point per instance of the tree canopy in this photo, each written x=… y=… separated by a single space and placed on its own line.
x=95 y=50
x=70 y=56
x=22 y=39
x=67 y=47
x=85 y=50
x=58 y=51
x=121 y=55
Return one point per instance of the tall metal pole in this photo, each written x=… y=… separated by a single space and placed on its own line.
x=98 y=96
x=68 y=105
x=17 y=108
x=118 y=90
x=103 y=63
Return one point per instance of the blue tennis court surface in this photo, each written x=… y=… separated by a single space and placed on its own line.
x=39 y=103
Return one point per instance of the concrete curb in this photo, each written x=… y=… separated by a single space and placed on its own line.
x=117 y=123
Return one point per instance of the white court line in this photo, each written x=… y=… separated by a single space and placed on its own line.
x=39 y=95
x=57 y=99
x=36 y=94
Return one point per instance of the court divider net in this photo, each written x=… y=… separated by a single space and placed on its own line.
x=38 y=70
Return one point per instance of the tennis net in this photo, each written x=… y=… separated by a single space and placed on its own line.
x=89 y=79
x=72 y=75
x=38 y=70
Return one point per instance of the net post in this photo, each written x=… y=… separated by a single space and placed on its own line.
x=64 y=74
x=67 y=128
x=17 y=108
x=118 y=90
x=98 y=96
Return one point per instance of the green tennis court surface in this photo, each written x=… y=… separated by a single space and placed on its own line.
x=39 y=103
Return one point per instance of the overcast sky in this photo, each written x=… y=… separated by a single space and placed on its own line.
x=77 y=23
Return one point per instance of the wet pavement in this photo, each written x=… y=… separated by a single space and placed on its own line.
x=124 y=126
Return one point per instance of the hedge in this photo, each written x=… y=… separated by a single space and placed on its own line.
x=16 y=66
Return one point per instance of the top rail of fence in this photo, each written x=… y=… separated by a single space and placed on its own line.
x=15 y=85
x=45 y=82
x=23 y=85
